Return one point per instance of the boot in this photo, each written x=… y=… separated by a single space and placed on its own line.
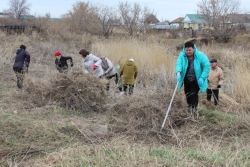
x=195 y=113
x=190 y=111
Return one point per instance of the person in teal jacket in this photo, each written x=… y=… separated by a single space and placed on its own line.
x=192 y=69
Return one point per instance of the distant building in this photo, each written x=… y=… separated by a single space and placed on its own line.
x=151 y=19
x=163 y=25
x=6 y=14
x=177 y=22
x=11 y=15
x=27 y=17
x=195 y=22
x=242 y=20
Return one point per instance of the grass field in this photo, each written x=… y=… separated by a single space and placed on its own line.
x=36 y=129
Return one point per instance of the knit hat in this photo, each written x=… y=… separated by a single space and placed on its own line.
x=213 y=61
x=57 y=53
x=131 y=59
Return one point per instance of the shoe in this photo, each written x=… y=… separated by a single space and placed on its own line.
x=190 y=112
x=195 y=113
x=121 y=93
x=190 y=109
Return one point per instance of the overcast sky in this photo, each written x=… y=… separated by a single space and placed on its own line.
x=164 y=9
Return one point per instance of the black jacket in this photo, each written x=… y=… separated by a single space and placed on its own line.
x=21 y=57
x=62 y=62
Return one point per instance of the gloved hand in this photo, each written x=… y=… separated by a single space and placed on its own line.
x=219 y=86
x=27 y=64
x=71 y=65
x=200 y=81
x=178 y=78
x=94 y=67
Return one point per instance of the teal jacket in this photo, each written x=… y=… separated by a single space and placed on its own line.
x=201 y=67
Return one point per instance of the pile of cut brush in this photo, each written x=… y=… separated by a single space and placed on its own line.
x=142 y=117
x=76 y=91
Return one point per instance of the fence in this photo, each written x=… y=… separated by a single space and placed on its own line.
x=19 y=29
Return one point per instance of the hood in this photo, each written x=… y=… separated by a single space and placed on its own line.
x=129 y=63
x=19 y=50
x=184 y=51
x=87 y=58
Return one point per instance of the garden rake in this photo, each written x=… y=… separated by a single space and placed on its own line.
x=169 y=107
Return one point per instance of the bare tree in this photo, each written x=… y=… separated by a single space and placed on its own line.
x=133 y=17
x=19 y=7
x=104 y=21
x=78 y=17
x=97 y=20
x=222 y=15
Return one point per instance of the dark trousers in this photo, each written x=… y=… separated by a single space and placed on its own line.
x=129 y=87
x=116 y=80
x=20 y=76
x=191 y=90
x=215 y=93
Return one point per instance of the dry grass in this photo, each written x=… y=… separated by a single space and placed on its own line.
x=51 y=129
x=76 y=91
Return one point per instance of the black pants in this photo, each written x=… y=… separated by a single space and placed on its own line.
x=215 y=93
x=129 y=87
x=116 y=80
x=20 y=76
x=191 y=90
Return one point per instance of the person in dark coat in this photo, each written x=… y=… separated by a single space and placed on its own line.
x=61 y=62
x=22 y=61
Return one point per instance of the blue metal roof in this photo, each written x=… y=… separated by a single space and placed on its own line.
x=195 y=18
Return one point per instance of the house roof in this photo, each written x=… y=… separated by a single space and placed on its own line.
x=246 y=18
x=6 y=14
x=151 y=19
x=178 y=20
x=162 y=23
x=26 y=16
x=194 y=18
x=239 y=18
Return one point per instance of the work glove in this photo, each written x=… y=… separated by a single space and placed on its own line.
x=71 y=65
x=27 y=64
x=219 y=86
x=200 y=81
x=94 y=67
x=178 y=78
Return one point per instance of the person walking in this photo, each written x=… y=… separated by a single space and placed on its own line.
x=192 y=69
x=91 y=63
x=109 y=70
x=22 y=61
x=129 y=73
x=119 y=80
x=215 y=81
x=61 y=62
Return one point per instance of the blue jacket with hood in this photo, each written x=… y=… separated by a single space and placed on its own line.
x=201 y=67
